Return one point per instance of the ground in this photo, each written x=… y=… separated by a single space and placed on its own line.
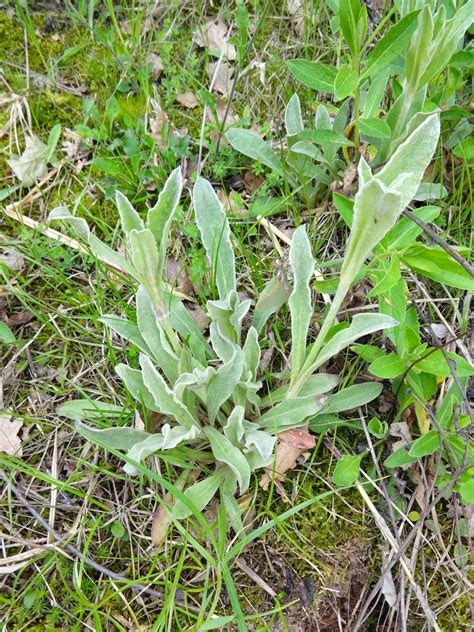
x=64 y=64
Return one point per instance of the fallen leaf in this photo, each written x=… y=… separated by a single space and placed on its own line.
x=178 y=276
x=223 y=79
x=232 y=202
x=158 y=126
x=348 y=184
x=9 y=440
x=198 y=315
x=295 y=10
x=213 y=36
x=221 y=108
x=157 y=66
x=253 y=182
x=20 y=318
x=292 y=444
x=388 y=585
x=31 y=165
x=12 y=259
x=188 y=100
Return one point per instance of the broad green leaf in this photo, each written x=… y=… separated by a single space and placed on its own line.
x=430 y=191
x=391 y=277
x=345 y=207
x=465 y=149
x=152 y=333
x=349 y=11
x=301 y=308
x=224 y=382
x=110 y=166
x=88 y=409
x=345 y=83
x=378 y=428
x=165 y=400
x=290 y=413
x=274 y=295
x=466 y=490
x=375 y=94
x=254 y=147
x=313 y=74
x=392 y=44
x=436 y=364
x=399 y=458
x=419 y=51
x=437 y=264
x=217 y=623
x=31 y=165
x=7 y=336
x=347 y=470
x=293 y=120
x=113 y=438
x=199 y=494
x=374 y=127
x=406 y=231
x=161 y=215
x=315 y=385
x=145 y=259
x=323 y=423
x=129 y=218
x=369 y=353
x=133 y=380
x=352 y=397
x=216 y=236
x=361 y=325
x=425 y=445
x=224 y=451
x=325 y=137
x=388 y=366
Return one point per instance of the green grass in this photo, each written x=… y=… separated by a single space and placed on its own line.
x=64 y=352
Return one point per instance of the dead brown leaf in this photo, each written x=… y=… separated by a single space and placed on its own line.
x=213 y=36
x=223 y=79
x=19 y=318
x=295 y=10
x=12 y=259
x=253 y=182
x=178 y=276
x=232 y=202
x=221 y=107
x=188 y=99
x=292 y=444
x=198 y=315
x=9 y=440
x=157 y=66
x=158 y=128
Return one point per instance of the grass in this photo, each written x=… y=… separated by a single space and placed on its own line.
x=314 y=560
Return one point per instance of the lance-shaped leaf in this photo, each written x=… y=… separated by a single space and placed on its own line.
x=112 y=438
x=215 y=234
x=145 y=259
x=290 y=413
x=165 y=400
x=153 y=335
x=352 y=397
x=126 y=329
x=199 y=495
x=252 y=352
x=361 y=325
x=88 y=409
x=129 y=218
x=315 y=385
x=224 y=382
x=293 y=120
x=274 y=295
x=133 y=380
x=99 y=249
x=253 y=146
x=302 y=264
x=224 y=451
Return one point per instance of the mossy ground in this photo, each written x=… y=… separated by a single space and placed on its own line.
x=325 y=555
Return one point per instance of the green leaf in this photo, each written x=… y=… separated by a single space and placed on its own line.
x=361 y=325
x=389 y=366
x=378 y=428
x=313 y=74
x=274 y=295
x=392 y=44
x=129 y=218
x=224 y=382
x=216 y=236
x=88 y=409
x=253 y=146
x=145 y=259
x=126 y=329
x=349 y=11
x=375 y=94
x=352 y=397
x=199 y=494
x=112 y=438
x=436 y=364
x=301 y=308
x=293 y=120
x=374 y=127
x=315 y=385
x=406 y=231
x=345 y=207
x=165 y=400
x=466 y=490
x=346 y=82
x=399 y=458
x=161 y=215
x=117 y=529
x=437 y=264
x=326 y=137
x=224 y=451
x=217 y=623
x=389 y=279
x=6 y=334
x=425 y=445
x=133 y=380
x=290 y=413
x=347 y=470
x=369 y=353
x=53 y=139
x=465 y=149
x=430 y=191
x=109 y=166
